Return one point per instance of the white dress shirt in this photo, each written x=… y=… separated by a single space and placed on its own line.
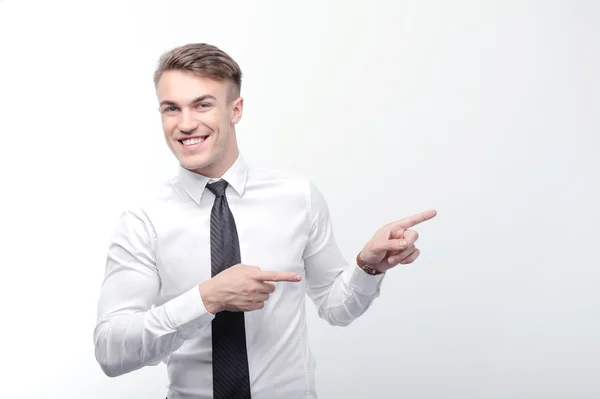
x=150 y=309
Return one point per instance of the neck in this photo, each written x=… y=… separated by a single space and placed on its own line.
x=217 y=170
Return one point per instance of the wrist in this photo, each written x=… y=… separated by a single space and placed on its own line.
x=367 y=268
x=209 y=297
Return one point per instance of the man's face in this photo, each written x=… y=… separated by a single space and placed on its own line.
x=198 y=116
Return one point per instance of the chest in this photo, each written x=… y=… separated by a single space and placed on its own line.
x=272 y=234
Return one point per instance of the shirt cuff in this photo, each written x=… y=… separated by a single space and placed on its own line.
x=362 y=282
x=187 y=311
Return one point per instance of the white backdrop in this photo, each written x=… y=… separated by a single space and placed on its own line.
x=485 y=111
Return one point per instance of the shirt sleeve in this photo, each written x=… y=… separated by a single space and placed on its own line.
x=130 y=332
x=340 y=291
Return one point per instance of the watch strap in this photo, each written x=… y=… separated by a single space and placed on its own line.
x=366 y=267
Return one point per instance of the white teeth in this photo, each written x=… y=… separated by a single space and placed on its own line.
x=192 y=141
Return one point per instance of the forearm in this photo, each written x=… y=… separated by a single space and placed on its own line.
x=127 y=339
x=347 y=297
x=341 y=291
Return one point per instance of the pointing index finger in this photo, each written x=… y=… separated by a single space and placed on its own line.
x=416 y=219
x=277 y=276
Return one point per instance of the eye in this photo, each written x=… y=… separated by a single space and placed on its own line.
x=203 y=105
x=169 y=109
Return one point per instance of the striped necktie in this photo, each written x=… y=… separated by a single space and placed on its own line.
x=231 y=378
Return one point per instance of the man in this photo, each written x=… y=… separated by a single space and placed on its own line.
x=211 y=274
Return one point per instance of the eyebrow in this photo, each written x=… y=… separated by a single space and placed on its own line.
x=195 y=100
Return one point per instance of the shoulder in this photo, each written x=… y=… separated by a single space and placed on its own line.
x=155 y=197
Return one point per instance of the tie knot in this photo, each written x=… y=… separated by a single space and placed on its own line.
x=218 y=188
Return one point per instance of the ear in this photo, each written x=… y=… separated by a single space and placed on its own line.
x=237 y=106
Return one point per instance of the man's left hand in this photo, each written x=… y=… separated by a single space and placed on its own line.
x=394 y=243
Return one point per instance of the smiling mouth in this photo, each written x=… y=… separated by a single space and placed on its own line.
x=192 y=141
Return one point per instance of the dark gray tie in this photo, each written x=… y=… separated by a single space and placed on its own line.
x=231 y=378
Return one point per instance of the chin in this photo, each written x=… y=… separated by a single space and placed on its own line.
x=194 y=162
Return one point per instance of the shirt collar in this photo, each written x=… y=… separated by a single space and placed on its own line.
x=194 y=183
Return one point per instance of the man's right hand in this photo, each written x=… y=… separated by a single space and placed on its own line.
x=241 y=288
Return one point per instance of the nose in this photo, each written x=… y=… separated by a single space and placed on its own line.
x=187 y=122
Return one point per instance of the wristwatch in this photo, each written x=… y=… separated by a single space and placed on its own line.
x=366 y=267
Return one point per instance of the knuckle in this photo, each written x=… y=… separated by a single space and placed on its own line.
x=251 y=270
